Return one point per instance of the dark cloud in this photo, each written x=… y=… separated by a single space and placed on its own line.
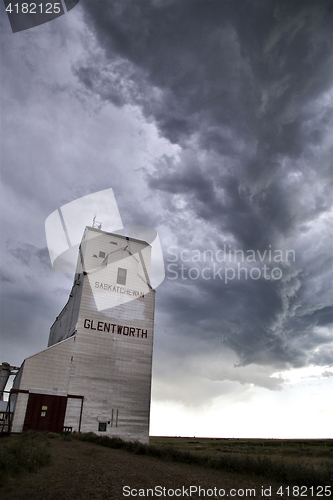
x=249 y=67
x=205 y=68
x=5 y=278
x=26 y=253
x=242 y=87
x=242 y=92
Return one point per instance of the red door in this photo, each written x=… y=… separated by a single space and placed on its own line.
x=45 y=412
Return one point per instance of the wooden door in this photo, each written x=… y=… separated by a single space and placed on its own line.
x=45 y=412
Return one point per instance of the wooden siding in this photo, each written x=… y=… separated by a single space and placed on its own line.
x=109 y=358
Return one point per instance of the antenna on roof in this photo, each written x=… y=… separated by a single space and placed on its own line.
x=96 y=224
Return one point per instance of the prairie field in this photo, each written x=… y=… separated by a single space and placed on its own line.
x=88 y=468
x=306 y=463
x=288 y=458
x=293 y=449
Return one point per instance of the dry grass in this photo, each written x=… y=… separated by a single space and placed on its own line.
x=291 y=448
x=81 y=470
x=24 y=452
x=287 y=461
x=302 y=461
x=297 y=462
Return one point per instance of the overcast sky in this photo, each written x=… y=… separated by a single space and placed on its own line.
x=212 y=122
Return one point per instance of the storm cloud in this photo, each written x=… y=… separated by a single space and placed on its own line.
x=244 y=88
x=211 y=121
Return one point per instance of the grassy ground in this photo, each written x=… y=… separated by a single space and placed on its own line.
x=305 y=462
x=295 y=458
x=312 y=449
x=297 y=462
x=24 y=452
x=80 y=470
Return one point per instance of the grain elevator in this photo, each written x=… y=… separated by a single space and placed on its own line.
x=95 y=374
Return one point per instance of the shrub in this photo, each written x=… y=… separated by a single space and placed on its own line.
x=29 y=451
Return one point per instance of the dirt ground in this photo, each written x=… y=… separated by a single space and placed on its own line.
x=80 y=471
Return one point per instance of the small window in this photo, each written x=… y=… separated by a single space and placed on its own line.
x=102 y=426
x=102 y=255
x=113 y=243
x=121 y=277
